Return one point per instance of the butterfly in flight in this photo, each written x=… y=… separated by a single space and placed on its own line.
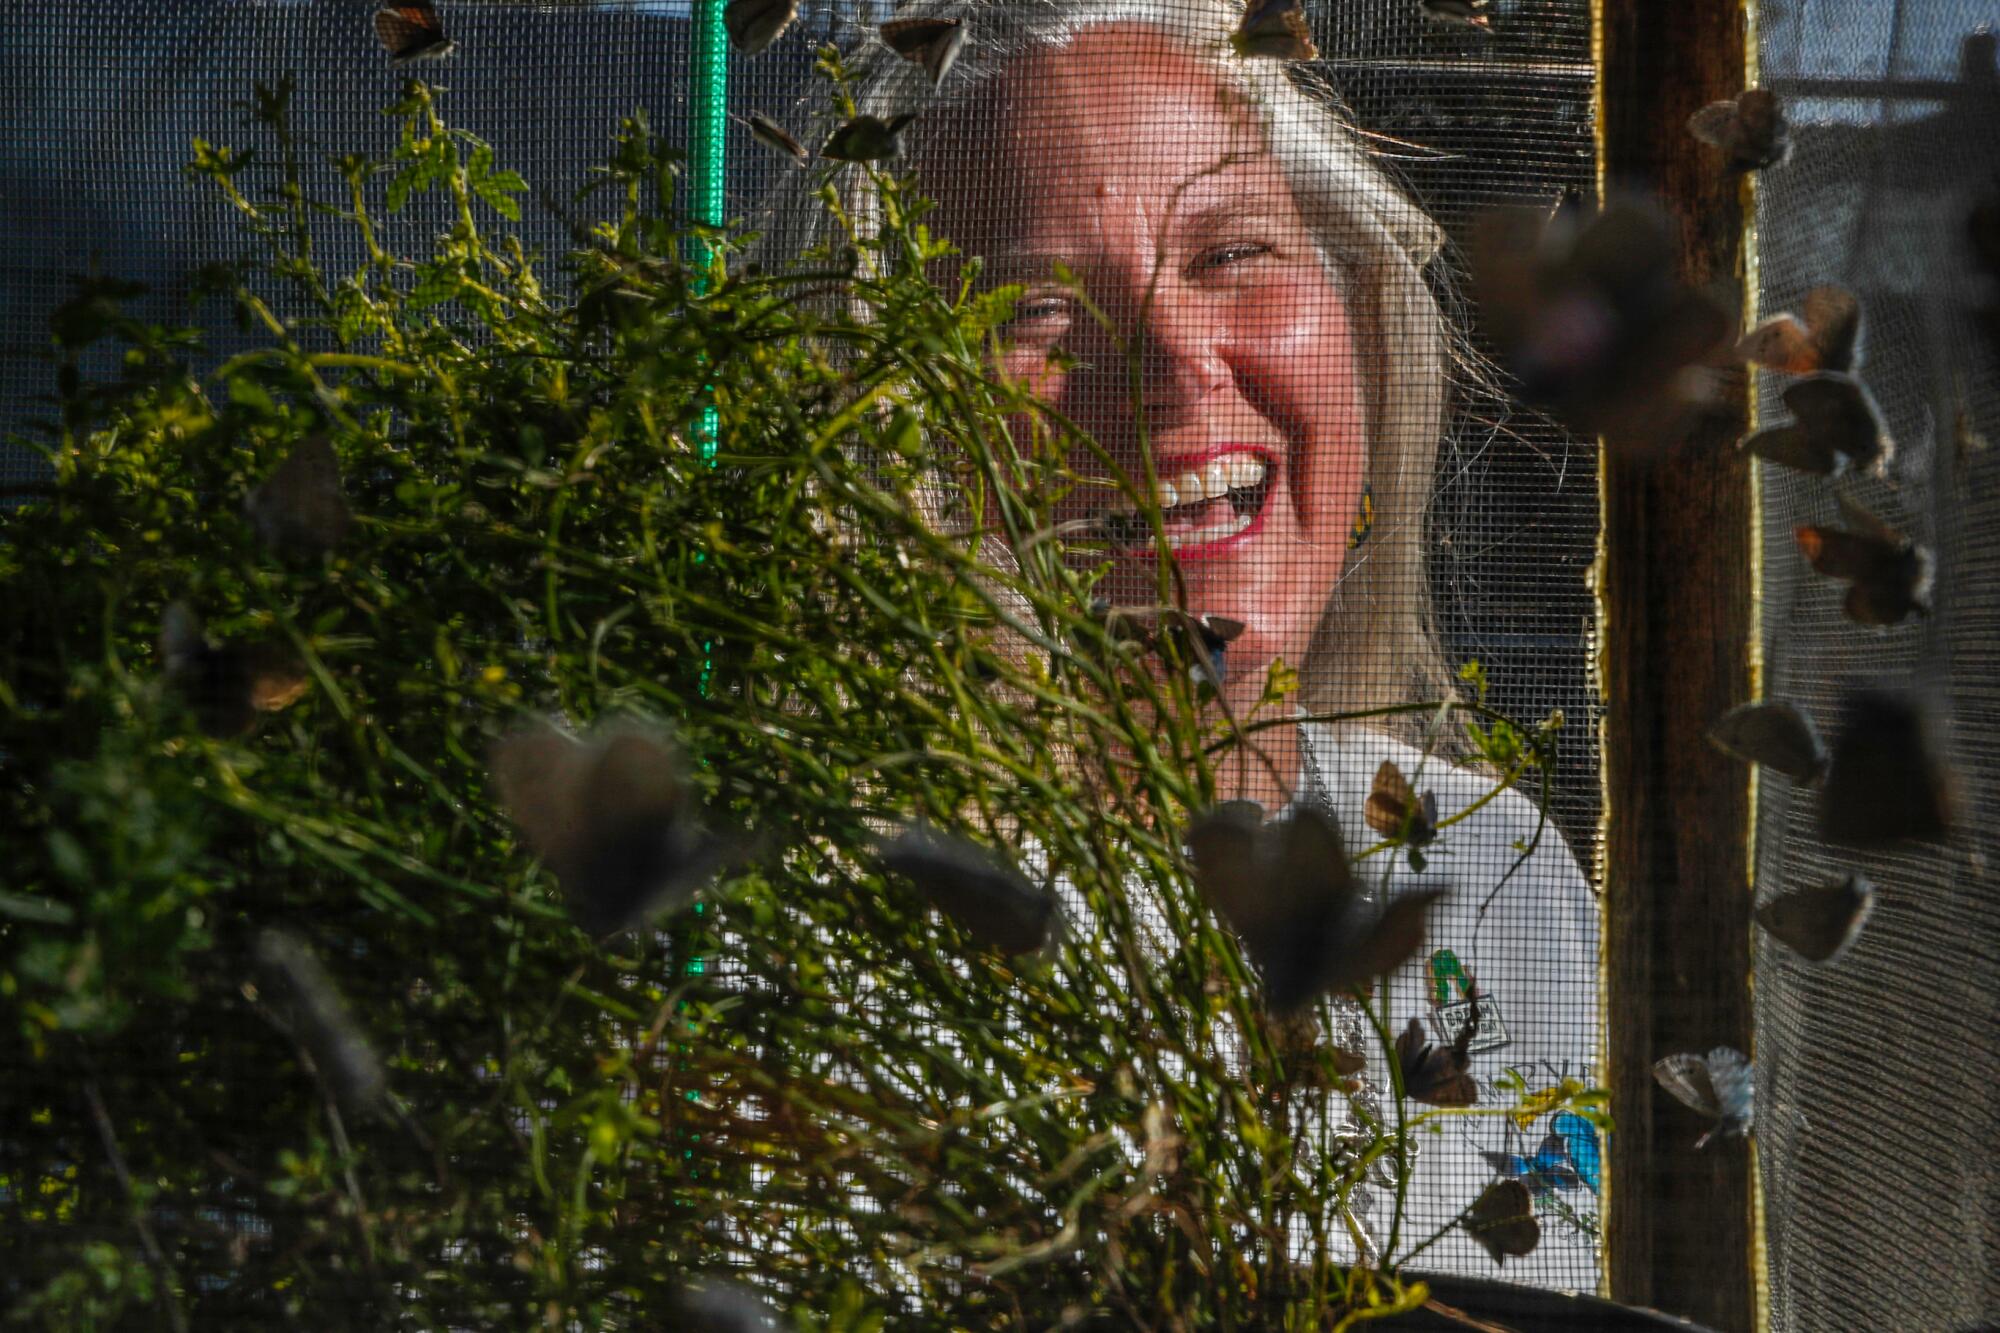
x=410 y=33
x=1719 y=1085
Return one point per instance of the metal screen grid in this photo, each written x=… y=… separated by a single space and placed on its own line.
x=1877 y=1116
x=106 y=98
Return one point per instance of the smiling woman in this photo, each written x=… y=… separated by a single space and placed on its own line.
x=1230 y=298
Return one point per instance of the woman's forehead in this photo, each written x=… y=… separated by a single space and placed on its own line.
x=1120 y=116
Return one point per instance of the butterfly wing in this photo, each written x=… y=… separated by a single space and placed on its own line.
x=863 y=139
x=1834 y=316
x=1761 y=136
x=932 y=43
x=1775 y=734
x=775 y=136
x=410 y=32
x=1716 y=125
x=1780 y=343
x=1580 y=1140
x=299 y=507
x=1735 y=1085
x=1388 y=800
x=1819 y=922
x=755 y=24
x=1503 y=1221
x=1275 y=30
x=995 y=903
x=1686 y=1077
x=1432 y=1074
x=1840 y=414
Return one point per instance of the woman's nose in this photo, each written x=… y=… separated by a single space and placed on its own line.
x=1180 y=356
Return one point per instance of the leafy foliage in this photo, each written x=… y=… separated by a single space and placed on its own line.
x=786 y=515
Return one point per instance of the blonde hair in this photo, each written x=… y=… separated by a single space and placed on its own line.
x=1375 y=239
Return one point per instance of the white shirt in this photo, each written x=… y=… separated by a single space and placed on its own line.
x=1533 y=952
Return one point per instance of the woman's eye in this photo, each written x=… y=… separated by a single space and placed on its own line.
x=1228 y=256
x=1038 y=315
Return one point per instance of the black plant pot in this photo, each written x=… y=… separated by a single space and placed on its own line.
x=1532 y=1310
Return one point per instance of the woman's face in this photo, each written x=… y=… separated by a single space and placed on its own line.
x=1124 y=159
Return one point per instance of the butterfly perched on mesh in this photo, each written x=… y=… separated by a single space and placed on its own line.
x=1289 y=893
x=1585 y=312
x=1819 y=921
x=612 y=819
x=1568 y=1158
x=1888 y=778
x=229 y=686
x=1890 y=576
x=1827 y=338
x=1774 y=733
x=933 y=44
x=1839 y=427
x=412 y=32
x=755 y=24
x=867 y=139
x=1275 y=30
x=302 y=994
x=997 y=905
x=1502 y=1220
x=1439 y=1075
x=1749 y=129
x=1394 y=810
x=1461 y=13
x=298 y=509
x=1719 y=1085
x=1202 y=641
x=774 y=136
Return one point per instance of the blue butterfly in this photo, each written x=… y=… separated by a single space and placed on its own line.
x=1569 y=1156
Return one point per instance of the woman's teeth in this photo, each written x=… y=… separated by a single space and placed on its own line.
x=1241 y=478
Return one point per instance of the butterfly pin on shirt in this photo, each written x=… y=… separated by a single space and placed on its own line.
x=1569 y=1157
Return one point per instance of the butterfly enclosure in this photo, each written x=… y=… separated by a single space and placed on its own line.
x=977 y=664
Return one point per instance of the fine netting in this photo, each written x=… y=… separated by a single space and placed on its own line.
x=1877 y=1118
x=1242 y=278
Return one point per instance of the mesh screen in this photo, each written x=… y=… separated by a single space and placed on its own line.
x=1878 y=1116
x=1272 y=251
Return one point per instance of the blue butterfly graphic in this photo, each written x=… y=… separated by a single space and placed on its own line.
x=1569 y=1156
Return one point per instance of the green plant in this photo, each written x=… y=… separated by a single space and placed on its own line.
x=799 y=531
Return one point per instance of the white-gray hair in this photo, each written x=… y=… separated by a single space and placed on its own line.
x=1376 y=644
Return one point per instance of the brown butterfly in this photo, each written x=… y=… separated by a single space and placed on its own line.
x=1773 y=733
x=412 y=32
x=1502 y=1220
x=1828 y=338
x=1289 y=893
x=932 y=43
x=1464 y=13
x=867 y=139
x=1749 y=129
x=1818 y=922
x=1891 y=575
x=299 y=509
x=227 y=685
x=775 y=136
x=1439 y=1075
x=755 y=24
x=1887 y=780
x=1394 y=809
x=1275 y=30
x=997 y=905
x=1839 y=427
x=1586 y=314
x=611 y=818
x=302 y=993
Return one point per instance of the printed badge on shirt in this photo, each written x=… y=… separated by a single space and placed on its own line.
x=1449 y=1016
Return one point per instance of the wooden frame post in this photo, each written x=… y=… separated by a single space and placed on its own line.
x=1677 y=619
